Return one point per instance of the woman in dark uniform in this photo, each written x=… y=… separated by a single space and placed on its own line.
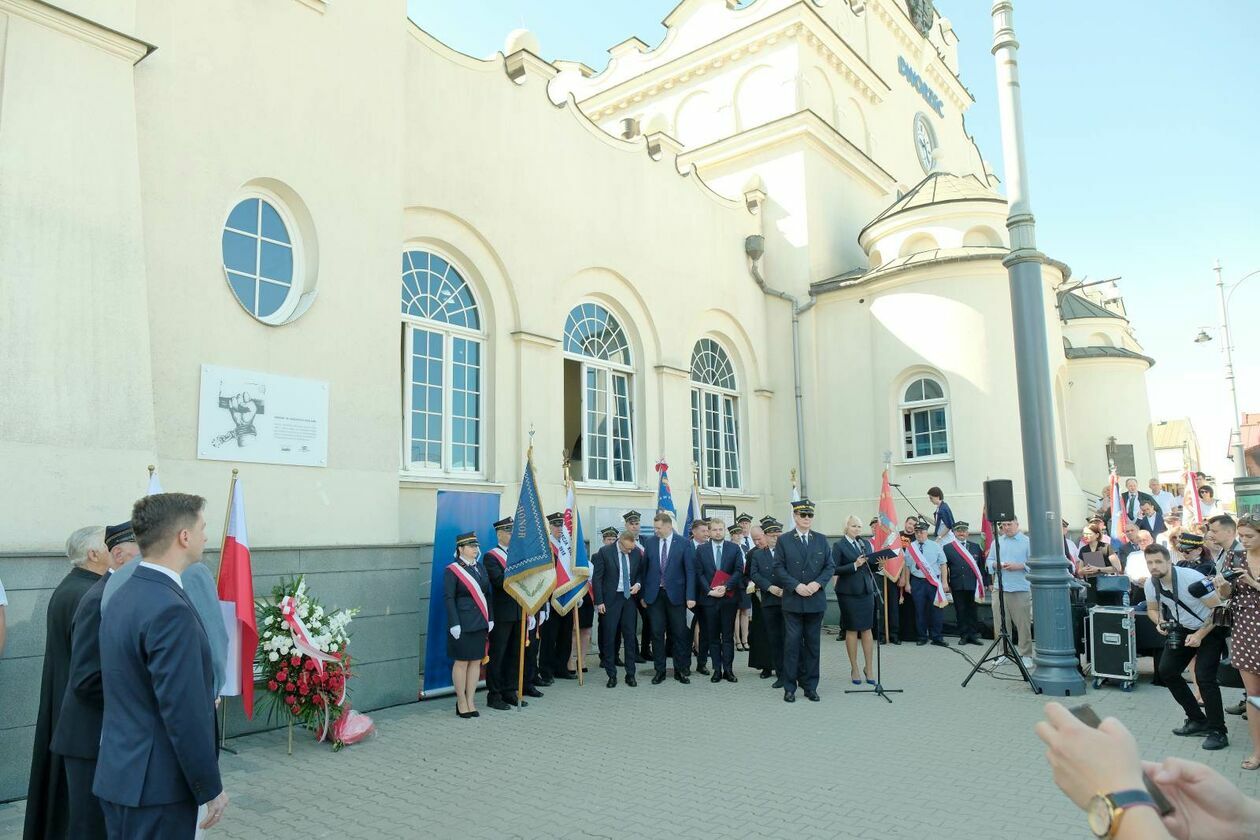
x=467 y=588
x=743 y=616
x=855 y=591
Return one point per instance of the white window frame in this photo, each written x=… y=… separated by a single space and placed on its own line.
x=612 y=369
x=723 y=395
x=297 y=282
x=909 y=409
x=449 y=332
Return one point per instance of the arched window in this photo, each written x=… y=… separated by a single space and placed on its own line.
x=924 y=422
x=714 y=416
x=598 y=365
x=443 y=340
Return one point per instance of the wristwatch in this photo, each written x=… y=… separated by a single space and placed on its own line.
x=1107 y=809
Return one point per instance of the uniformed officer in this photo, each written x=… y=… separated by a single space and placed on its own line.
x=468 y=620
x=556 y=636
x=962 y=583
x=927 y=566
x=766 y=631
x=505 y=639
x=802 y=567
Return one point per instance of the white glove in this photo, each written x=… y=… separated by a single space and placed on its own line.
x=456 y=630
x=491 y=625
x=532 y=623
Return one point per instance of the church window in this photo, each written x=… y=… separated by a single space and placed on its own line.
x=599 y=365
x=924 y=422
x=714 y=416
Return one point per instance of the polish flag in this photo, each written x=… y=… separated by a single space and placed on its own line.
x=1119 y=516
x=236 y=587
x=886 y=533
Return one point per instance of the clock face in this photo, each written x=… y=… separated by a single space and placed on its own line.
x=924 y=141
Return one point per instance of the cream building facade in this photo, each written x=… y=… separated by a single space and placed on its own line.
x=464 y=251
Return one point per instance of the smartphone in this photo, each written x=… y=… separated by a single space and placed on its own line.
x=1085 y=714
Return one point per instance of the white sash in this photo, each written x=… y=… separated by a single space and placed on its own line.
x=940 y=600
x=962 y=552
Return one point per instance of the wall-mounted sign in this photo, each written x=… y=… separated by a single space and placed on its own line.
x=916 y=82
x=262 y=418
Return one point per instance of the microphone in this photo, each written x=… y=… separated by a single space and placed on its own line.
x=890 y=484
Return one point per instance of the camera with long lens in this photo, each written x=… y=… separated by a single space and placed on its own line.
x=1174 y=636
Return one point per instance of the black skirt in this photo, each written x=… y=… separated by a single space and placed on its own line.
x=469 y=647
x=857 y=612
x=758 y=640
x=586 y=612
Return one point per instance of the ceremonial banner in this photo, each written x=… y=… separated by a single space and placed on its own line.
x=1119 y=516
x=579 y=570
x=155 y=486
x=664 y=495
x=457 y=512
x=1191 y=506
x=693 y=511
x=531 y=570
x=886 y=533
x=986 y=527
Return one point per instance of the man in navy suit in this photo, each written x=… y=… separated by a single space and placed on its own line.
x=802 y=567
x=669 y=589
x=718 y=602
x=616 y=578
x=157 y=759
x=1151 y=519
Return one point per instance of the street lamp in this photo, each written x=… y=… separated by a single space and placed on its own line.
x=1235 y=434
x=1058 y=671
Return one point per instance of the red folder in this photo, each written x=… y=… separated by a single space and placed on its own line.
x=719 y=579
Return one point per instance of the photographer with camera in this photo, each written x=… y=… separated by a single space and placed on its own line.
x=1180 y=601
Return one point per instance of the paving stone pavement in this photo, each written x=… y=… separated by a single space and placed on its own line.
x=698 y=761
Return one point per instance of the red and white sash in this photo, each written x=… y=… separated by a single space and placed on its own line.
x=499 y=554
x=302 y=636
x=940 y=600
x=479 y=597
x=952 y=542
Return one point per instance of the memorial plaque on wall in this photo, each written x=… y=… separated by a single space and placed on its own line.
x=1122 y=455
x=262 y=418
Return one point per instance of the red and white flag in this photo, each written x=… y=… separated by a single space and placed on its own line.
x=1191 y=507
x=236 y=586
x=886 y=533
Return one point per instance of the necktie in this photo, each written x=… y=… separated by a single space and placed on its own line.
x=625 y=574
x=664 y=559
x=717 y=556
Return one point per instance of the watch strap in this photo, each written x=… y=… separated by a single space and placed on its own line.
x=1130 y=798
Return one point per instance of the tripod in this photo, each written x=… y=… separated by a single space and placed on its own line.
x=878 y=690
x=1000 y=636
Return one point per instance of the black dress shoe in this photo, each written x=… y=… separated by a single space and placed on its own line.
x=465 y=715
x=682 y=678
x=716 y=678
x=975 y=641
x=545 y=681
x=659 y=678
x=789 y=697
x=921 y=642
x=631 y=681
x=1216 y=741
x=1192 y=727
x=896 y=641
x=512 y=701
x=940 y=643
x=812 y=695
x=777 y=684
x=533 y=692
x=766 y=673
x=701 y=669
x=612 y=682
x=619 y=663
x=498 y=705
x=640 y=659
x=729 y=677
x=566 y=675
x=474 y=713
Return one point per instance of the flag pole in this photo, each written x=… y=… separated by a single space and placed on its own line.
x=577 y=627
x=520 y=665
x=227 y=520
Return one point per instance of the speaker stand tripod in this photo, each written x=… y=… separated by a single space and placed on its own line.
x=1001 y=639
x=878 y=690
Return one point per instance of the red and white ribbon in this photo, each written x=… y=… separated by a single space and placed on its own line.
x=500 y=555
x=940 y=600
x=301 y=636
x=953 y=542
x=474 y=589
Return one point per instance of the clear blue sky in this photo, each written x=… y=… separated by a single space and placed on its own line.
x=1141 y=123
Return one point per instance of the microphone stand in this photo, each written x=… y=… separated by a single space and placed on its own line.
x=878 y=690
x=1000 y=636
x=907 y=498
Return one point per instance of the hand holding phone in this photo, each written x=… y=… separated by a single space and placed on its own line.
x=1085 y=714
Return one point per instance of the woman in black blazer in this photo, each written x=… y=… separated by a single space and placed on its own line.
x=467 y=589
x=855 y=591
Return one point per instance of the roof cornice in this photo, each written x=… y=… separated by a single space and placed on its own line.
x=88 y=31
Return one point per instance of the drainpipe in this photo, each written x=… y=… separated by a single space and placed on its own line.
x=755 y=248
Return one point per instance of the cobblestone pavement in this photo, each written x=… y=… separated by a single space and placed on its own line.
x=701 y=760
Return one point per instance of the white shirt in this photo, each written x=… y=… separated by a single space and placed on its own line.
x=1165 y=500
x=1194 y=612
x=621 y=571
x=170 y=573
x=802 y=536
x=1135 y=566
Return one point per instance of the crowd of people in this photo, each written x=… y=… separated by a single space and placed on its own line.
x=126 y=739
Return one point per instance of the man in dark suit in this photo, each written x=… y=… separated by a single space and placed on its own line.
x=669 y=589
x=718 y=601
x=1132 y=499
x=157 y=759
x=616 y=578
x=962 y=583
x=505 y=638
x=761 y=573
x=1151 y=520
x=802 y=567
x=77 y=737
x=700 y=631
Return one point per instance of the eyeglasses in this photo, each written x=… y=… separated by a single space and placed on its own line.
x=805 y=515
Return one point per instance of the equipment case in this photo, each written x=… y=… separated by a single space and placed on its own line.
x=1112 y=645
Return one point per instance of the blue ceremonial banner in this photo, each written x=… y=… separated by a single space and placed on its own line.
x=531 y=568
x=457 y=513
x=693 y=511
x=665 y=496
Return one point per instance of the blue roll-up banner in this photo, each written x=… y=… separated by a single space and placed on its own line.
x=457 y=513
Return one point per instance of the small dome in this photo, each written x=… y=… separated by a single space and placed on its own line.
x=521 y=39
x=939 y=188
